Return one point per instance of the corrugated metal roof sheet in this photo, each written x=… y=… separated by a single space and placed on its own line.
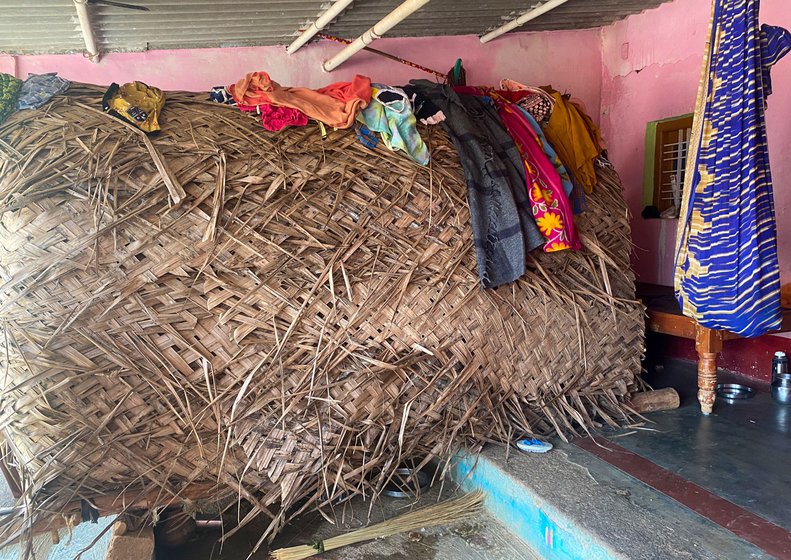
x=45 y=26
x=51 y=25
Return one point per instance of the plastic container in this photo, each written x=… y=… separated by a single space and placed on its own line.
x=781 y=378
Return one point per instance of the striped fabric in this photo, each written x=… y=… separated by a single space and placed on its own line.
x=775 y=44
x=727 y=274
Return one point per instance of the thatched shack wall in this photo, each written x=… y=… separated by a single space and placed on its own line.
x=308 y=317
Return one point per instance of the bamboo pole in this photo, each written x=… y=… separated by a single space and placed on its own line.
x=321 y=22
x=87 y=30
x=380 y=28
x=523 y=19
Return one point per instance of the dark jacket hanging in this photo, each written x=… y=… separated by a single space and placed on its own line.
x=502 y=223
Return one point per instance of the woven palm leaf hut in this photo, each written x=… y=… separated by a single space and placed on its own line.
x=220 y=313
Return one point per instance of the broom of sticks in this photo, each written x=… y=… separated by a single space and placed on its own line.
x=442 y=513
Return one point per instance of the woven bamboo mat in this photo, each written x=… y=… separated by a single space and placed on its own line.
x=282 y=318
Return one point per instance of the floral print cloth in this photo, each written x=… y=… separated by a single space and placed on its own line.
x=565 y=177
x=537 y=102
x=551 y=208
x=9 y=93
x=546 y=211
x=549 y=204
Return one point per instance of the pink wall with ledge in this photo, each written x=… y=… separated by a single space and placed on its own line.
x=650 y=70
x=569 y=60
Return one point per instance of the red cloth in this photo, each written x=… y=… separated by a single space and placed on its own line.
x=276 y=118
x=335 y=105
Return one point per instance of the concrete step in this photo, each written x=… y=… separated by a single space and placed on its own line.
x=569 y=505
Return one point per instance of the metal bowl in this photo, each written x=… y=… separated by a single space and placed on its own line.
x=734 y=391
x=403 y=483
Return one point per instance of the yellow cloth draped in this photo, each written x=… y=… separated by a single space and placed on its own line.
x=576 y=140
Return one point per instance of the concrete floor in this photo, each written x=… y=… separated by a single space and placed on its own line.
x=480 y=539
x=82 y=541
x=741 y=452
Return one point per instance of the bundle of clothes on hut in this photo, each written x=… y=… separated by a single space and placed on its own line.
x=528 y=153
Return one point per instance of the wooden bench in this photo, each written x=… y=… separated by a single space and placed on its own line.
x=665 y=317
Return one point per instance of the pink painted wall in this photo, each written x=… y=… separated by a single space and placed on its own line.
x=569 y=60
x=650 y=70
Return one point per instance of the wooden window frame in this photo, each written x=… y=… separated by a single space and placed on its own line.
x=656 y=132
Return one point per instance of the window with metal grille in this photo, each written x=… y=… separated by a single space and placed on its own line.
x=667 y=142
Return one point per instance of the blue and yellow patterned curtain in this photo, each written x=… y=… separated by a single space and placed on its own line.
x=727 y=274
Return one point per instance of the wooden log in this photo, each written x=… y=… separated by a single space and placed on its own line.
x=655 y=401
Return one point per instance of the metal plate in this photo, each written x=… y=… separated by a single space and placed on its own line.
x=402 y=485
x=734 y=391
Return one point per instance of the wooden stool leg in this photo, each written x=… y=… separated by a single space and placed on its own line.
x=707 y=381
x=708 y=343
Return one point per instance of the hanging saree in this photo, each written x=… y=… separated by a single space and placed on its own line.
x=727 y=273
x=550 y=152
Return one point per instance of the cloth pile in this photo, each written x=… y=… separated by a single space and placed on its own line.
x=32 y=93
x=335 y=105
x=40 y=88
x=528 y=153
x=518 y=187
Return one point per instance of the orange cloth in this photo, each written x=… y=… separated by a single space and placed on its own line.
x=335 y=105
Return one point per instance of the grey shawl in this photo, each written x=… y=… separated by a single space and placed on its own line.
x=502 y=221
